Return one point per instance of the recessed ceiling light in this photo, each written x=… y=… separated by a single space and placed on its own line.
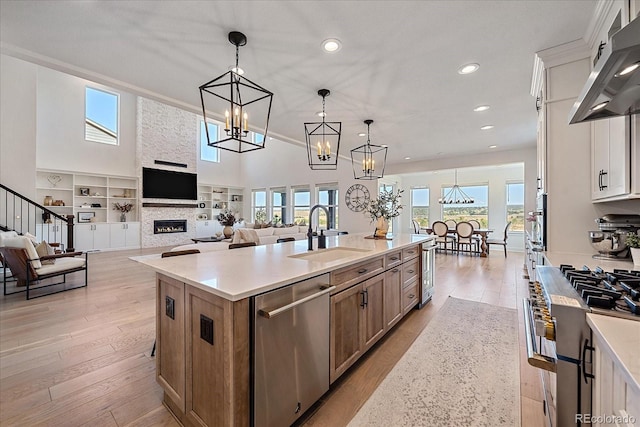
x=493 y=146
x=468 y=68
x=239 y=71
x=407 y=158
x=600 y=106
x=481 y=108
x=331 y=45
x=362 y=134
x=628 y=69
x=486 y=127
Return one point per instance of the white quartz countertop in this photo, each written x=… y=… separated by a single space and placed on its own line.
x=578 y=260
x=240 y=273
x=621 y=338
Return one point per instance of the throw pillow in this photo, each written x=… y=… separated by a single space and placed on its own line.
x=45 y=249
x=31 y=237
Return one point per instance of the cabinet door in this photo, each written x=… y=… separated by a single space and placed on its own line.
x=118 y=234
x=392 y=297
x=83 y=235
x=374 y=321
x=101 y=236
x=599 y=158
x=133 y=234
x=170 y=350
x=619 y=157
x=346 y=320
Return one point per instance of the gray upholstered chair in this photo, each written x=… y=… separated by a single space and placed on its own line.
x=502 y=242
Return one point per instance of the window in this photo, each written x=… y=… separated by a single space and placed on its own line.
x=279 y=205
x=387 y=187
x=479 y=210
x=327 y=195
x=515 y=205
x=301 y=205
x=101 y=116
x=258 y=138
x=207 y=153
x=259 y=205
x=420 y=206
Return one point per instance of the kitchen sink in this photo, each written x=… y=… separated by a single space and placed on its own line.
x=331 y=254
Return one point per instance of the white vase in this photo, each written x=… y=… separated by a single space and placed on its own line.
x=382 y=227
x=635 y=254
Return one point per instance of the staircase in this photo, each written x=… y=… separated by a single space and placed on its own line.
x=23 y=215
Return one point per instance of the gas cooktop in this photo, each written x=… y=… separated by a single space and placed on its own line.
x=614 y=293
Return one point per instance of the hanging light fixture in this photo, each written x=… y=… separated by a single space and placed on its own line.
x=455 y=196
x=368 y=160
x=323 y=140
x=237 y=96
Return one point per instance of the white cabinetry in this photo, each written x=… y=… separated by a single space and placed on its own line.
x=90 y=237
x=207 y=228
x=610 y=158
x=124 y=235
x=212 y=200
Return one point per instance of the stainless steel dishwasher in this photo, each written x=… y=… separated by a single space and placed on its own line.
x=290 y=350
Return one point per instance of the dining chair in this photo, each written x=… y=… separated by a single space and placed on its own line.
x=241 y=245
x=502 y=242
x=286 y=239
x=416 y=226
x=451 y=224
x=465 y=236
x=442 y=232
x=476 y=224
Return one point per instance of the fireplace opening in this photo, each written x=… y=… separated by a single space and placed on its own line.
x=170 y=226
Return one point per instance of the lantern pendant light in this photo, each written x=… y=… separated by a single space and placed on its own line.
x=368 y=160
x=242 y=102
x=323 y=140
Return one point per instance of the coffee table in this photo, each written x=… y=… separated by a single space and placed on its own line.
x=209 y=239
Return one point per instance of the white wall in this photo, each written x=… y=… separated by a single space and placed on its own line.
x=18 y=84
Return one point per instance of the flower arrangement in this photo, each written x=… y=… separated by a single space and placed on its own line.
x=531 y=217
x=226 y=218
x=386 y=206
x=124 y=208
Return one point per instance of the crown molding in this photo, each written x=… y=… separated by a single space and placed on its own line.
x=564 y=53
x=598 y=20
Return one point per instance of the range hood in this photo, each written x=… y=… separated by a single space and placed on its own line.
x=619 y=93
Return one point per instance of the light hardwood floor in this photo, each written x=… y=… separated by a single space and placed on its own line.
x=83 y=357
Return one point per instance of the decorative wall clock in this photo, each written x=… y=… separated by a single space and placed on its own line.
x=357 y=197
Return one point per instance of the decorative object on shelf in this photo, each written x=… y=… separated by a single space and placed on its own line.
x=96 y=205
x=357 y=197
x=455 y=196
x=86 y=216
x=236 y=198
x=128 y=193
x=85 y=205
x=54 y=180
x=321 y=139
x=534 y=225
x=84 y=191
x=46 y=217
x=633 y=243
x=386 y=207
x=202 y=217
x=369 y=160
x=124 y=208
x=226 y=89
x=48 y=201
x=58 y=203
x=227 y=219
x=201 y=205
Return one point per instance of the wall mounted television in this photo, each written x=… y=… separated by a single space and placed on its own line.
x=166 y=184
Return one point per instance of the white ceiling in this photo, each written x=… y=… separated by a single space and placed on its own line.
x=398 y=64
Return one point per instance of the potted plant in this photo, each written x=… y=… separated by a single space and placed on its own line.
x=123 y=208
x=386 y=207
x=633 y=242
x=227 y=219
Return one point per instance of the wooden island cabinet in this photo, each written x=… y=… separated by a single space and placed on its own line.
x=204 y=359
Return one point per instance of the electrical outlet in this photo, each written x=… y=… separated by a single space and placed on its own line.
x=170 y=307
x=206 y=329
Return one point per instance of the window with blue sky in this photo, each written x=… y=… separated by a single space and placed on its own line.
x=420 y=206
x=208 y=153
x=101 y=116
x=478 y=210
x=515 y=205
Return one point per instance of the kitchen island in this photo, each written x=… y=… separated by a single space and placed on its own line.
x=205 y=315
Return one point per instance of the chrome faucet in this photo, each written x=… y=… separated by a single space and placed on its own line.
x=310 y=232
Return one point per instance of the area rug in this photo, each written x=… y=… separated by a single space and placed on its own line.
x=462 y=370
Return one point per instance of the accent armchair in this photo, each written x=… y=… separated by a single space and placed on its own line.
x=31 y=269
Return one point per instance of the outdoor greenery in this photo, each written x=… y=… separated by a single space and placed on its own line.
x=466 y=213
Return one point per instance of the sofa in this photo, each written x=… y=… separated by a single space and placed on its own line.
x=262 y=236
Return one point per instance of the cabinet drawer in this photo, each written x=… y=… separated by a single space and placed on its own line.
x=411 y=252
x=410 y=297
x=393 y=259
x=410 y=271
x=348 y=276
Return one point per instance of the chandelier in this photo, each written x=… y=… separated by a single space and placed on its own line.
x=455 y=196
x=323 y=140
x=237 y=96
x=368 y=160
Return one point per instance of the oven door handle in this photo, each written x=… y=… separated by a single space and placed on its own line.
x=586 y=347
x=535 y=358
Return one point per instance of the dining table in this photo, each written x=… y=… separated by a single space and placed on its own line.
x=482 y=232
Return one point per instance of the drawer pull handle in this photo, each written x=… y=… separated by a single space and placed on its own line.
x=411 y=296
x=395 y=270
x=395 y=258
x=410 y=271
x=361 y=271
